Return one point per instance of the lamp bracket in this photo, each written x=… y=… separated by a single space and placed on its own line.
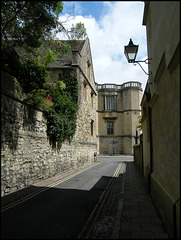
x=145 y=61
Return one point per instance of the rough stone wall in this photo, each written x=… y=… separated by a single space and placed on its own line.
x=78 y=61
x=27 y=155
x=87 y=98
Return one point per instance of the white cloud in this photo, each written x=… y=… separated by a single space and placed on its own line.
x=123 y=20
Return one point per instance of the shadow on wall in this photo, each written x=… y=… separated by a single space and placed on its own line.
x=15 y=116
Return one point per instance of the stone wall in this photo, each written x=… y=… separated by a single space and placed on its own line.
x=27 y=155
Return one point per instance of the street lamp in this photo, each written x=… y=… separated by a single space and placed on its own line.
x=131 y=51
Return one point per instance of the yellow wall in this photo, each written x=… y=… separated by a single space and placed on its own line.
x=163 y=41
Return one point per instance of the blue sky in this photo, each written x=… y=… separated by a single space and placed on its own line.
x=110 y=25
x=86 y=8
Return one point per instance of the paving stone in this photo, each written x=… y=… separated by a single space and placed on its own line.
x=143 y=235
x=136 y=216
x=125 y=234
x=161 y=235
x=140 y=219
x=130 y=213
x=155 y=220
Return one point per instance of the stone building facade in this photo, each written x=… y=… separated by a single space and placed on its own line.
x=26 y=153
x=79 y=62
x=118 y=111
x=160 y=106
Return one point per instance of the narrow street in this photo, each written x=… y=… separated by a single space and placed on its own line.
x=62 y=210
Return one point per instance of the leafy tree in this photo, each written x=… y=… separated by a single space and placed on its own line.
x=29 y=24
x=78 y=31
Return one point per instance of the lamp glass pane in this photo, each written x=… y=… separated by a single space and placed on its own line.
x=131 y=56
x=131 y=52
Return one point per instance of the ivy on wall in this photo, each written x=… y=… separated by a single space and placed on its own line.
x=60 y=104
x=62 y=118
x=59 y=101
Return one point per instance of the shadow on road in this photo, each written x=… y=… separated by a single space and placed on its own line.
x=53 y=213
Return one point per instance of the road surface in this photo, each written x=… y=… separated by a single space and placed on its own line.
x=61 y=211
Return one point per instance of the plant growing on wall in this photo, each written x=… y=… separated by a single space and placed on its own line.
x=139 y=126
x=61 y=120
x=60 y=104
x=29 y=25
x=40 y=99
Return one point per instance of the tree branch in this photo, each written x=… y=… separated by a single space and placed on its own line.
x=10 y=20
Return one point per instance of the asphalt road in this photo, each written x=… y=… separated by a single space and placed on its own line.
x=61 y=211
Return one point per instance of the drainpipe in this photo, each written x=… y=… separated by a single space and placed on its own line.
x=175 y=220
x=151 y=150
x=141 y=145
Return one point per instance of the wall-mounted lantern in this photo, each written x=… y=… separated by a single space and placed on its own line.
x=131 y=51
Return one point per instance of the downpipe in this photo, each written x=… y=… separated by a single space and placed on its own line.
x=175 y=221
x=151 y=150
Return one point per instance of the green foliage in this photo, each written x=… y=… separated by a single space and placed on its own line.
x=32 y=76
x=29 y=22
x=58 y=9
x=60 y=104
x=71 y=83
x=139 y=126
x=40 y=99
x=61 y=85
x=78 y=31
x=30 y=73
x=10 y=61
x=61 y=123
x=50 y=57
x=49 y=52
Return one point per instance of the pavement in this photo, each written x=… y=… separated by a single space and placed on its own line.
x=126 y=211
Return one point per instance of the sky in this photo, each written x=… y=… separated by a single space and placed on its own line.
x=110 y=25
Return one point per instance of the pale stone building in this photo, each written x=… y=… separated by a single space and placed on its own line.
x=118 y=111
x=161 y=111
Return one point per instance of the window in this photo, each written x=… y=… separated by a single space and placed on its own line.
x=92 y=127
x=88 y=68
x=110 y=127
x=85 y=90
x=92 y=100
x=109 y=103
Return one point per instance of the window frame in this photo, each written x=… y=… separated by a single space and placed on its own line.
x=92 y=128
x=110 y=127
x=85 y=90
x=110 y=103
